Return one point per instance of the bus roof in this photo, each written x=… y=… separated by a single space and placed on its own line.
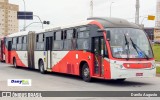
x=18 y=34
x=67 y=26
x=50 y=28
x=107 y=22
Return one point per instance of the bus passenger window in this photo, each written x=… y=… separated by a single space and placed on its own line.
x=74 y=33
x=54 y=35
x=65 y=34
x=37 y=37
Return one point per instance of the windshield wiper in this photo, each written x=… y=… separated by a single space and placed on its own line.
x=127 y=44
x=135 y=47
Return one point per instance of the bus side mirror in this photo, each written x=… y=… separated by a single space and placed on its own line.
x=108 y=35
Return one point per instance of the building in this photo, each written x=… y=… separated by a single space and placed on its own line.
x=153 y=33
x=158 y=14
x=157 y=34
x=150 y=32
x=157 y=26
x=8 y=18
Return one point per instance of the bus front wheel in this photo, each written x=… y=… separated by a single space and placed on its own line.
x=86 y=73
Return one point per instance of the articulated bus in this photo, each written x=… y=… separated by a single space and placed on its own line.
x=104 y=48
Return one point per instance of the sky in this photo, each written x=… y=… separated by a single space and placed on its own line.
x=60 y=12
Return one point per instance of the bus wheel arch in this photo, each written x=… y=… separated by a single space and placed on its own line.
x=84 y=71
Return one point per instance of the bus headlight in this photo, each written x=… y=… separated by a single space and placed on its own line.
x=118 y=66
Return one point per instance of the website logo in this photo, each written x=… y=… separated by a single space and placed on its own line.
x=19 y=82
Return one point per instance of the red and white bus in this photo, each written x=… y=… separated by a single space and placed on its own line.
x=105 y=48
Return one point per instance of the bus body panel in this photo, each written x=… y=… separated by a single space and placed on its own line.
x=22 y=58
x=69 y=62
x=118 y=70
x=6 y=56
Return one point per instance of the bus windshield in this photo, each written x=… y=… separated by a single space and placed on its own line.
x=129 y=43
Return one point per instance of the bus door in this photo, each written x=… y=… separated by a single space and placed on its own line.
x=49 y=41
x=9 y=51
x=98 y=56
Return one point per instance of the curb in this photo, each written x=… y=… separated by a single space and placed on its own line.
x=157 y=64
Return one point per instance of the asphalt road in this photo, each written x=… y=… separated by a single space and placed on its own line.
x=62 y=82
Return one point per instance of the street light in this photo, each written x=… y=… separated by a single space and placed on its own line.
x=111 y=8
x=24 y=11
x=143 y=20
x=31 y=24
x=91 y=8
x=39 y=20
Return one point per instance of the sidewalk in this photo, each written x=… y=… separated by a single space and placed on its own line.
x=158 y=75
x=158 y=64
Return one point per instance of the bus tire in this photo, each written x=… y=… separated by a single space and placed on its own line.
x=15 y=63
x=41 y=67
x=86 y=73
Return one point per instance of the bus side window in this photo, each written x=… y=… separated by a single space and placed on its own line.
x=74 y=39
x=64 y=34
x=83 y=39
x=68 y=36
x=54 y=36
x=40 y=42
x=24 y=43
x=14 y=42
x=19 y=43
x=37 y=37
x=58 y=42
x=17 y=40
x=74 y=33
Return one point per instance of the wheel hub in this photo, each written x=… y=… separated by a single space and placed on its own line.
x=86 y=72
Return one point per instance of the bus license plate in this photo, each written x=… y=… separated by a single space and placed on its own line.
x=139 y=74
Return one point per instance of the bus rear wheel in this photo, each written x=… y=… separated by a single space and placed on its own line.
x=41 y=67
x=86 y=73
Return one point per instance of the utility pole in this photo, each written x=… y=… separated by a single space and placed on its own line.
x=25 y=16
x=91 y=8
x=137 y=12
x=111 y=8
